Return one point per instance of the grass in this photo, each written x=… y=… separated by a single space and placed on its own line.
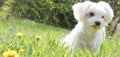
x=46 y=44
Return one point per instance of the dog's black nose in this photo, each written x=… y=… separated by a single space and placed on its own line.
x=97 y=23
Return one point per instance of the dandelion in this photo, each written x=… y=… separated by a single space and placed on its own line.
x=10 y=53
x=96 y=27
x=19 y=35
x=38 y=37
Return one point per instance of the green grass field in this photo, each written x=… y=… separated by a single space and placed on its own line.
x=39 y=40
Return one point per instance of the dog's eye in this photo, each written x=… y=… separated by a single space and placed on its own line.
x=102 y=16
x=91 y=14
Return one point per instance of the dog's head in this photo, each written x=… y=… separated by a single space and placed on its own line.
x=94 y=14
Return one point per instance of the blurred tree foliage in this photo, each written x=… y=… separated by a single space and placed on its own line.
x=1 y=2
x=52 y=12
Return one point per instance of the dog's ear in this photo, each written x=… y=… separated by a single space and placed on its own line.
x=79 y=9
x=109 y=12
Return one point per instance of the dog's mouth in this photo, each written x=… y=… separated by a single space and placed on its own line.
x=96 y=27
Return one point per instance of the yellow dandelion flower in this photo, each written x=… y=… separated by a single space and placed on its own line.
x=10 y=53
x=19 y=35
x=38 y=37
x=96 y=27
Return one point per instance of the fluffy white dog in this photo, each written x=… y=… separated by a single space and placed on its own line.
x=90 y=30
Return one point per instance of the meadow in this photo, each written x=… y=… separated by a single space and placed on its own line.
x=31 y=39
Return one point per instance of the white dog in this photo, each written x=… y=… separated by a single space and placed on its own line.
x=90 y=30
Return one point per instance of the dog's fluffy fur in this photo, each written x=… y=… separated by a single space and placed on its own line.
x=85 y=35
